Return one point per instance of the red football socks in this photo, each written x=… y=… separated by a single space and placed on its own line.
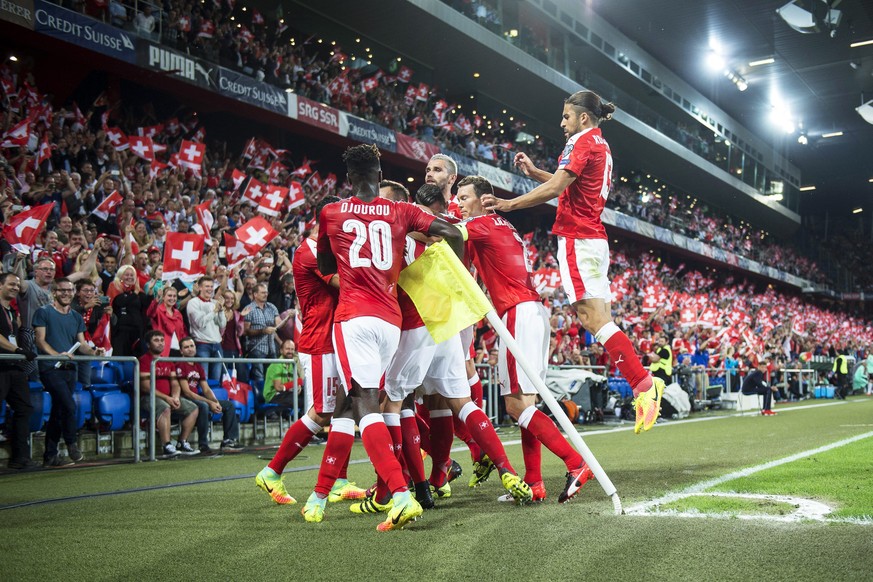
x=622 y=352
x=483 y=432
x=463 y=434
x=441 y=436
x=380 y=449
x=531 y=448
x=542 y=427
x=295 y=440
x=412 y=445
x=337 y=451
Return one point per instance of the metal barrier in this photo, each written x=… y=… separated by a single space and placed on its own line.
x=152 y=395
x=491 y=390
x=136 y=386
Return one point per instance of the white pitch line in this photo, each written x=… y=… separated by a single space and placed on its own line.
x=670 y=423
x=643 y=508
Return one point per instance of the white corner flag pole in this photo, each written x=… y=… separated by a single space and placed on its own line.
x=557 y=411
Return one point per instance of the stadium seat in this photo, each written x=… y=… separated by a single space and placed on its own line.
x=221 y=394
x=42 y=407
x=84 y=407
x=262 y=408
x=112 y=411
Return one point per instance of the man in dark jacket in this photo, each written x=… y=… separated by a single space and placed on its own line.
x=756 y=383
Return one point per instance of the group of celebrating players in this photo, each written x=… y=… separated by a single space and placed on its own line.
x=369 y=360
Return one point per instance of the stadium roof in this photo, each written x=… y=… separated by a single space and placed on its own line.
x=819 y=77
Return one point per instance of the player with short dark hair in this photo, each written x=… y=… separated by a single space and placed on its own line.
x=362 y=239
x=581 y=183
x=501 y=258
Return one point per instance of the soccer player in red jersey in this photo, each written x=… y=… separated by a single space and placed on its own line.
x=317 y=295
x=501 y=259
x=581 y=183
x=439 y=370
x=442 y=171
x=362 y=239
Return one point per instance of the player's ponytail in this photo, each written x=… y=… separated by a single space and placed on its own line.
x=592 y=104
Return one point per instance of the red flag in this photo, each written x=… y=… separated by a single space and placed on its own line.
x=191 y=155
x=150 y=131
x=423 y=92
x=183 y=254
x=295 y=195
x=45 y=150
x=272 y=200
x=276 y=168
x=117 y=138
x=251 y=149
x=23 y=227
x=101 y=337
x=18 y=135
x=304 y=169
x=142 y=147
x=369 y=84
x=404 y=74
x=108 y=205
x=257 y=17
x=254 y=192
x=204 y=217
x=256 y=233
x=199 y=135
x=330 y=181
x=156 y=168
x=316 y=181
x=237 y=178
x=237 y=250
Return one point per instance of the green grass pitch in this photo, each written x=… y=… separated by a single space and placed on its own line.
x=216 y=525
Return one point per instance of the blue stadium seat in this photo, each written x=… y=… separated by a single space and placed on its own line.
x=221 y=394
x=84 y=407
x=42 y=407
x=260 y=407
x=103 y=373
x=113 y=409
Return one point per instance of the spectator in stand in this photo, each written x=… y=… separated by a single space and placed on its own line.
x=261 y=324
x=58 y=329
x=231 y=347
x=144 y=22
x=107 y=274
x=279 y=381
x=13 y=380
x=195 y=388
x=168 y=401
x=88 y=304
x=165 y=318
x=206 y=318
x=129 y=304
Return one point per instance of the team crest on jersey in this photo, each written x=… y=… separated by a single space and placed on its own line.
x=565 y=155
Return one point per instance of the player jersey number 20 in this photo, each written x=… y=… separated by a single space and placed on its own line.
x=376 y=235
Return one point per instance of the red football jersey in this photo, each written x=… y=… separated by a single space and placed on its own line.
x=368 y=241
x=411 y=318
x=587 y=156
x=318 y=301
x=500 y=257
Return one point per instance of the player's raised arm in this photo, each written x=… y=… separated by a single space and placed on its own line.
x=450 y=233
x=524 y=163
x=559 y=182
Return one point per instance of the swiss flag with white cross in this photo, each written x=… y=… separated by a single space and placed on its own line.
x=254 y=191
x=183 y=256
x=191 y=155
x=142 y=147
x=273 y=200
x=257 y=233
x=237 y=250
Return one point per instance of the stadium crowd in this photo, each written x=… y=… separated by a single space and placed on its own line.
x=116 y=186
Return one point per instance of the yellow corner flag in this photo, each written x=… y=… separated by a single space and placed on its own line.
x=444 y=292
